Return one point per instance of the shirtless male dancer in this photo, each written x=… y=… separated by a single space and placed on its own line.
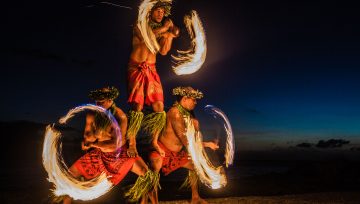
x=174 y=141
x=144 y=84
x=104 y=153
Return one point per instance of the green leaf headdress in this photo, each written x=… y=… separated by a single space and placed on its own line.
x=164 y=4
x=104 y=93
x=187 y=91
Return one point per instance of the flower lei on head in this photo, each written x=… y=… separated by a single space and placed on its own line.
x=104 y=93
x=165 y=5
x=101 y=94
x=187 y=91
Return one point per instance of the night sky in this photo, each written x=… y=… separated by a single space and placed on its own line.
x=285 y=72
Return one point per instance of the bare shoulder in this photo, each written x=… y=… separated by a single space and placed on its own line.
x=173 y=112
x=90 y=117
x=174 y=115
x=120 y=113
x=196 y=123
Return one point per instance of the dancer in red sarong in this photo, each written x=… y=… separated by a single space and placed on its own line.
x=105 y=153
x=144 y=84
x=172 y=159
x=174 y=141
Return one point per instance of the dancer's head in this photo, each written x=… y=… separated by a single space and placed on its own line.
x=159 y=10
x=104 y=97
x=187 y=96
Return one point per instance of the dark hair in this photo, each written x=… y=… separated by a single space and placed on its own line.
x=104 y=93
x=165 y=5
x=178 y=98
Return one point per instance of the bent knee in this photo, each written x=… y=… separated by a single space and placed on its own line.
x=74 y=171
x=156 y=164
x=142 y=171
x=158 y=106
x=139 y=168
x=137 y=107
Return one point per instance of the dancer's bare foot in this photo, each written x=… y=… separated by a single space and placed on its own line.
x=144 y=200
x=153 y=196
x=198 y=201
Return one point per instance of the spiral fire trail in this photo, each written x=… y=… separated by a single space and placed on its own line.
x=186 y=61
x=64 y=182
x=143 y=25
x=211 y=176
x=191 y=60
x=230 y=145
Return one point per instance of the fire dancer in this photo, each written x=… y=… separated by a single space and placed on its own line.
x=174 y=141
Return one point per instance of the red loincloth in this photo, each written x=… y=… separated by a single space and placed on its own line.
x=144 y=82
x=93 y=163
x=172 y=160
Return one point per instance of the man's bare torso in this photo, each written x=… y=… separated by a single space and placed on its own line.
x=94 y=134
x=140 y=52
x=169 y=138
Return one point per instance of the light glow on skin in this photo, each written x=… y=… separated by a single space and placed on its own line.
x=211 y=176
x=58 y=172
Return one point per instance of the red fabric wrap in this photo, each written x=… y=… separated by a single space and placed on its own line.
x=172 y=160
x=93 y=163
x=144 y=82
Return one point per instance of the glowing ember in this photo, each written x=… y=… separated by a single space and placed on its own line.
x=64 y=182
x=230 y=145
x=212 y=176
x=191 y=60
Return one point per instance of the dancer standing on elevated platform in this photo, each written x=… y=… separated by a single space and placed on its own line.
x=144 y=84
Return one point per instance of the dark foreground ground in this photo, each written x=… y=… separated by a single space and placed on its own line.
x=254 y=178
x=316 y=198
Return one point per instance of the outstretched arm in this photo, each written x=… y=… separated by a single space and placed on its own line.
x=211 y=145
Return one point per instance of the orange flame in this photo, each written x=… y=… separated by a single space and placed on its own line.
x=213 y=177
x=191 y=60
x=64 y=182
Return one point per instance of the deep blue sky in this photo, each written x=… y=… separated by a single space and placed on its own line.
x=284 y=72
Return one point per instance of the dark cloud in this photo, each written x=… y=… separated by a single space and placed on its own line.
x=332 y=143
x=355 y=148
x=304 y=145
